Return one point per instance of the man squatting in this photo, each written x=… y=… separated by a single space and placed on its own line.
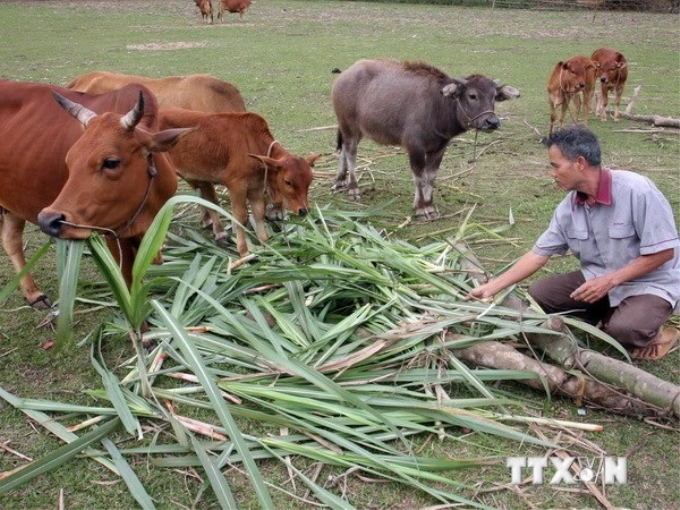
x=621 y=229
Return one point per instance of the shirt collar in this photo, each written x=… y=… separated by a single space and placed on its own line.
x=604 y=190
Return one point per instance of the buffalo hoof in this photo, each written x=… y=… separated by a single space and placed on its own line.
x=354 y=194
x=427 y=214
x=340 y=186
x=42 y=302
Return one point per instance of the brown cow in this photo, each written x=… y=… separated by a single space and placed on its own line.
x=197 y=92
x=206 y=8
x=612 y=72
x=110 y=176
x=240 y=6
x=238 y=151
x=566 y=83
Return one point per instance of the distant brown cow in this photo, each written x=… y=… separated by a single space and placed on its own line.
x=238 y=151
x=566 y=83
x=612 y=72
x=199 y=92
x=240 y=6
x=206 y=8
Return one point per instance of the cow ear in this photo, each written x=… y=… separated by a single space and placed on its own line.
x=165 y=140
x=311 y=159
x=506 y=92
x=451 y=89
x=266 y=161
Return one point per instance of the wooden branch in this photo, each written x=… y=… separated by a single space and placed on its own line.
x=633 y=98
x=655 y=120
x=629 y=378
x=602 y=381
x=582 y=389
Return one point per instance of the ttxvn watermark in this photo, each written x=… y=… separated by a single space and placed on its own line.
x=610 y=470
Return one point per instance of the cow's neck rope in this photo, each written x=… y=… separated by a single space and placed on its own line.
x=618 y=73
x=561 y=87
x=116 y=234
x=266 y=166
x=470 y=120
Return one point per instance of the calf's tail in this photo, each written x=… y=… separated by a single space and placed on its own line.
x=338 y=144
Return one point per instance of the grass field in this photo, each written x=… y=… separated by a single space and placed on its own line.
x=280 y=56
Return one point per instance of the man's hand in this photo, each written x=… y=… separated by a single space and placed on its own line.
x=483 y=293
x=593 y=290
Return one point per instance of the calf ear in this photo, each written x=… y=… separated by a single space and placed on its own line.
x=268 y=162
x=506 y=92
x=165 y=140
x=311 y=159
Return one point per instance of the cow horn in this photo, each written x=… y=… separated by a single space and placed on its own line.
x=84 y=115
x=133 y=117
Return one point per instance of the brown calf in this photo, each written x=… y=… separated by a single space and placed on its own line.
x=566 y=83
x=238 y=151
x=240 y=6
x=206 y=8
x=612 y=72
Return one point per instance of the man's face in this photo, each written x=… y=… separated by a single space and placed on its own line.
x=564 y=172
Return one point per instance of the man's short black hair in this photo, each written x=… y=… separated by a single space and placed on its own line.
x=576 y=141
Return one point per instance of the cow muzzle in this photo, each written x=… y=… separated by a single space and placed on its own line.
x=491 y=123
x=51 y=223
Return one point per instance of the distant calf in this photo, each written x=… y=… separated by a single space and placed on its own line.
x=238 y=151
x=206 y=8
x=567 y=82
x=414 y=105
x=613 y=73
x=240 y=6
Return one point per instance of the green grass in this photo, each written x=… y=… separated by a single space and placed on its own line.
x=280 y=56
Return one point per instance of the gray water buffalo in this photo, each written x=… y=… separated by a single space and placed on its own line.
x=416 y=106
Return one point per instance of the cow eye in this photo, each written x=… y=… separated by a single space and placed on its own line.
x=111 y=164
x=472 y=95
x=289 y=183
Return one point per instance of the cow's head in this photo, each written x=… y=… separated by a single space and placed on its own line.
x=613 y=70
x=288 y=180
x=476 y=96
x=575 y=74
x=117 y=179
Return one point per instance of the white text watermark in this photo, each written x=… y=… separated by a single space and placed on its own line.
x=557 y=470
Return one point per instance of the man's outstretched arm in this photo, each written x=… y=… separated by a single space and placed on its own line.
x=527 y=265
